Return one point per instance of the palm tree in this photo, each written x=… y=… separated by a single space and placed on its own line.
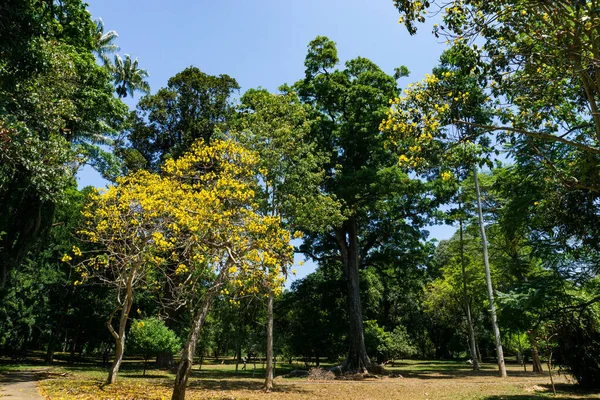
x=104 y=42
x=128 y=77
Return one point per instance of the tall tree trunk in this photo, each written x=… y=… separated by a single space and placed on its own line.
x=472 y=348
x=51 y=347
x=269 y=372
x=120 y=336
x=488 y=279
x=357 y=361
x=187 y=357
x=73 y=348
x=535 y=355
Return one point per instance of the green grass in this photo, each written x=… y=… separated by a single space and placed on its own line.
x=422 y=380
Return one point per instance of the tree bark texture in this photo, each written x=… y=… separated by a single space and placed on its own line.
x=472 y=348
x=488 y=279
x=269 y=373
x=187 y=357
x=347 y=237
x=120 y=336
x=535 y=355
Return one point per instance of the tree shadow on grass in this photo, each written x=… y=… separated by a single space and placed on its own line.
x=563 y=390
x=21 y=376
x=463 y=373
x=149 y=375
x=241 y=384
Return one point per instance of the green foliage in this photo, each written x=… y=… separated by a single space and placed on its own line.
x=191 y=107
x=128 y=77
x=277 y=127
x=316 y=315
x=388 y=345
x=376 y=339
x=399 y=344
x=385 y=209
x=150 y=337
x=57 y=108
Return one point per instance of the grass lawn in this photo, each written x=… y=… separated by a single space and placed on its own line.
x=421 y=380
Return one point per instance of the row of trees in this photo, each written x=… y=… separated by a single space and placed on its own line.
x=207 y=193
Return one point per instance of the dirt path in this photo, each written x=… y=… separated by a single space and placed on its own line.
x=20 y=385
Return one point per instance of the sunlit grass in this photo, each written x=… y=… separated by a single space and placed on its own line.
x=421 y=380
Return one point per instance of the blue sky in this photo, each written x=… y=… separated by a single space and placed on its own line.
x=261 y=43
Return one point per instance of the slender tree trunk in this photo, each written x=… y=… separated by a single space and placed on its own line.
x=357 y=361
x=479 y=359
x=51 y=347
x=472 y=348
x=549 y=363
x=120 y=336
x=488 y=279
x=269 y=373
x=187 y=357
x=535 y=355
x=73 y=348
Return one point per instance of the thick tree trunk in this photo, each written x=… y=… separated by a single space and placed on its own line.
x=357 y=360
x=472 y=348
x=187 y=357
x=535 y=355
x=488 y=279
x=120 y=336
x=269 y=372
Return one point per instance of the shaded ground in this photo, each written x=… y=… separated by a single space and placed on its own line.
x=20 y=385
x=422 y=380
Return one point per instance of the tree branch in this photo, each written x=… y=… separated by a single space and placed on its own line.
x=538 y=135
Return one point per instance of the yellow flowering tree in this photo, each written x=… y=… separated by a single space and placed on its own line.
x=195 y=227
x=127 y=225
x=426 y=127
x=226 y=240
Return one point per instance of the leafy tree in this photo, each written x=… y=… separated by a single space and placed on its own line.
x=151 y=337
x=460 y=287
x=191 y=107
x=378 y=200
x=376 y=340
x=128 y=77
x=277 y=127
x=422 y=124
x=538 y=62
x=128 y=224
x=399 y=344
x=57 y=107
x=104 y=42
x=317 y=315
x=228 y=241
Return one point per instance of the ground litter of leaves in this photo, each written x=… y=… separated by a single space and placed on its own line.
x=421 y=380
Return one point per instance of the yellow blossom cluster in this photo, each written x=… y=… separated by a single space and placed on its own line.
x=413 y=121
x=197 y=219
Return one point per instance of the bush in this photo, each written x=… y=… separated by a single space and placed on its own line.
x=388 y=345
x=150 y=337
x=578 y=348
